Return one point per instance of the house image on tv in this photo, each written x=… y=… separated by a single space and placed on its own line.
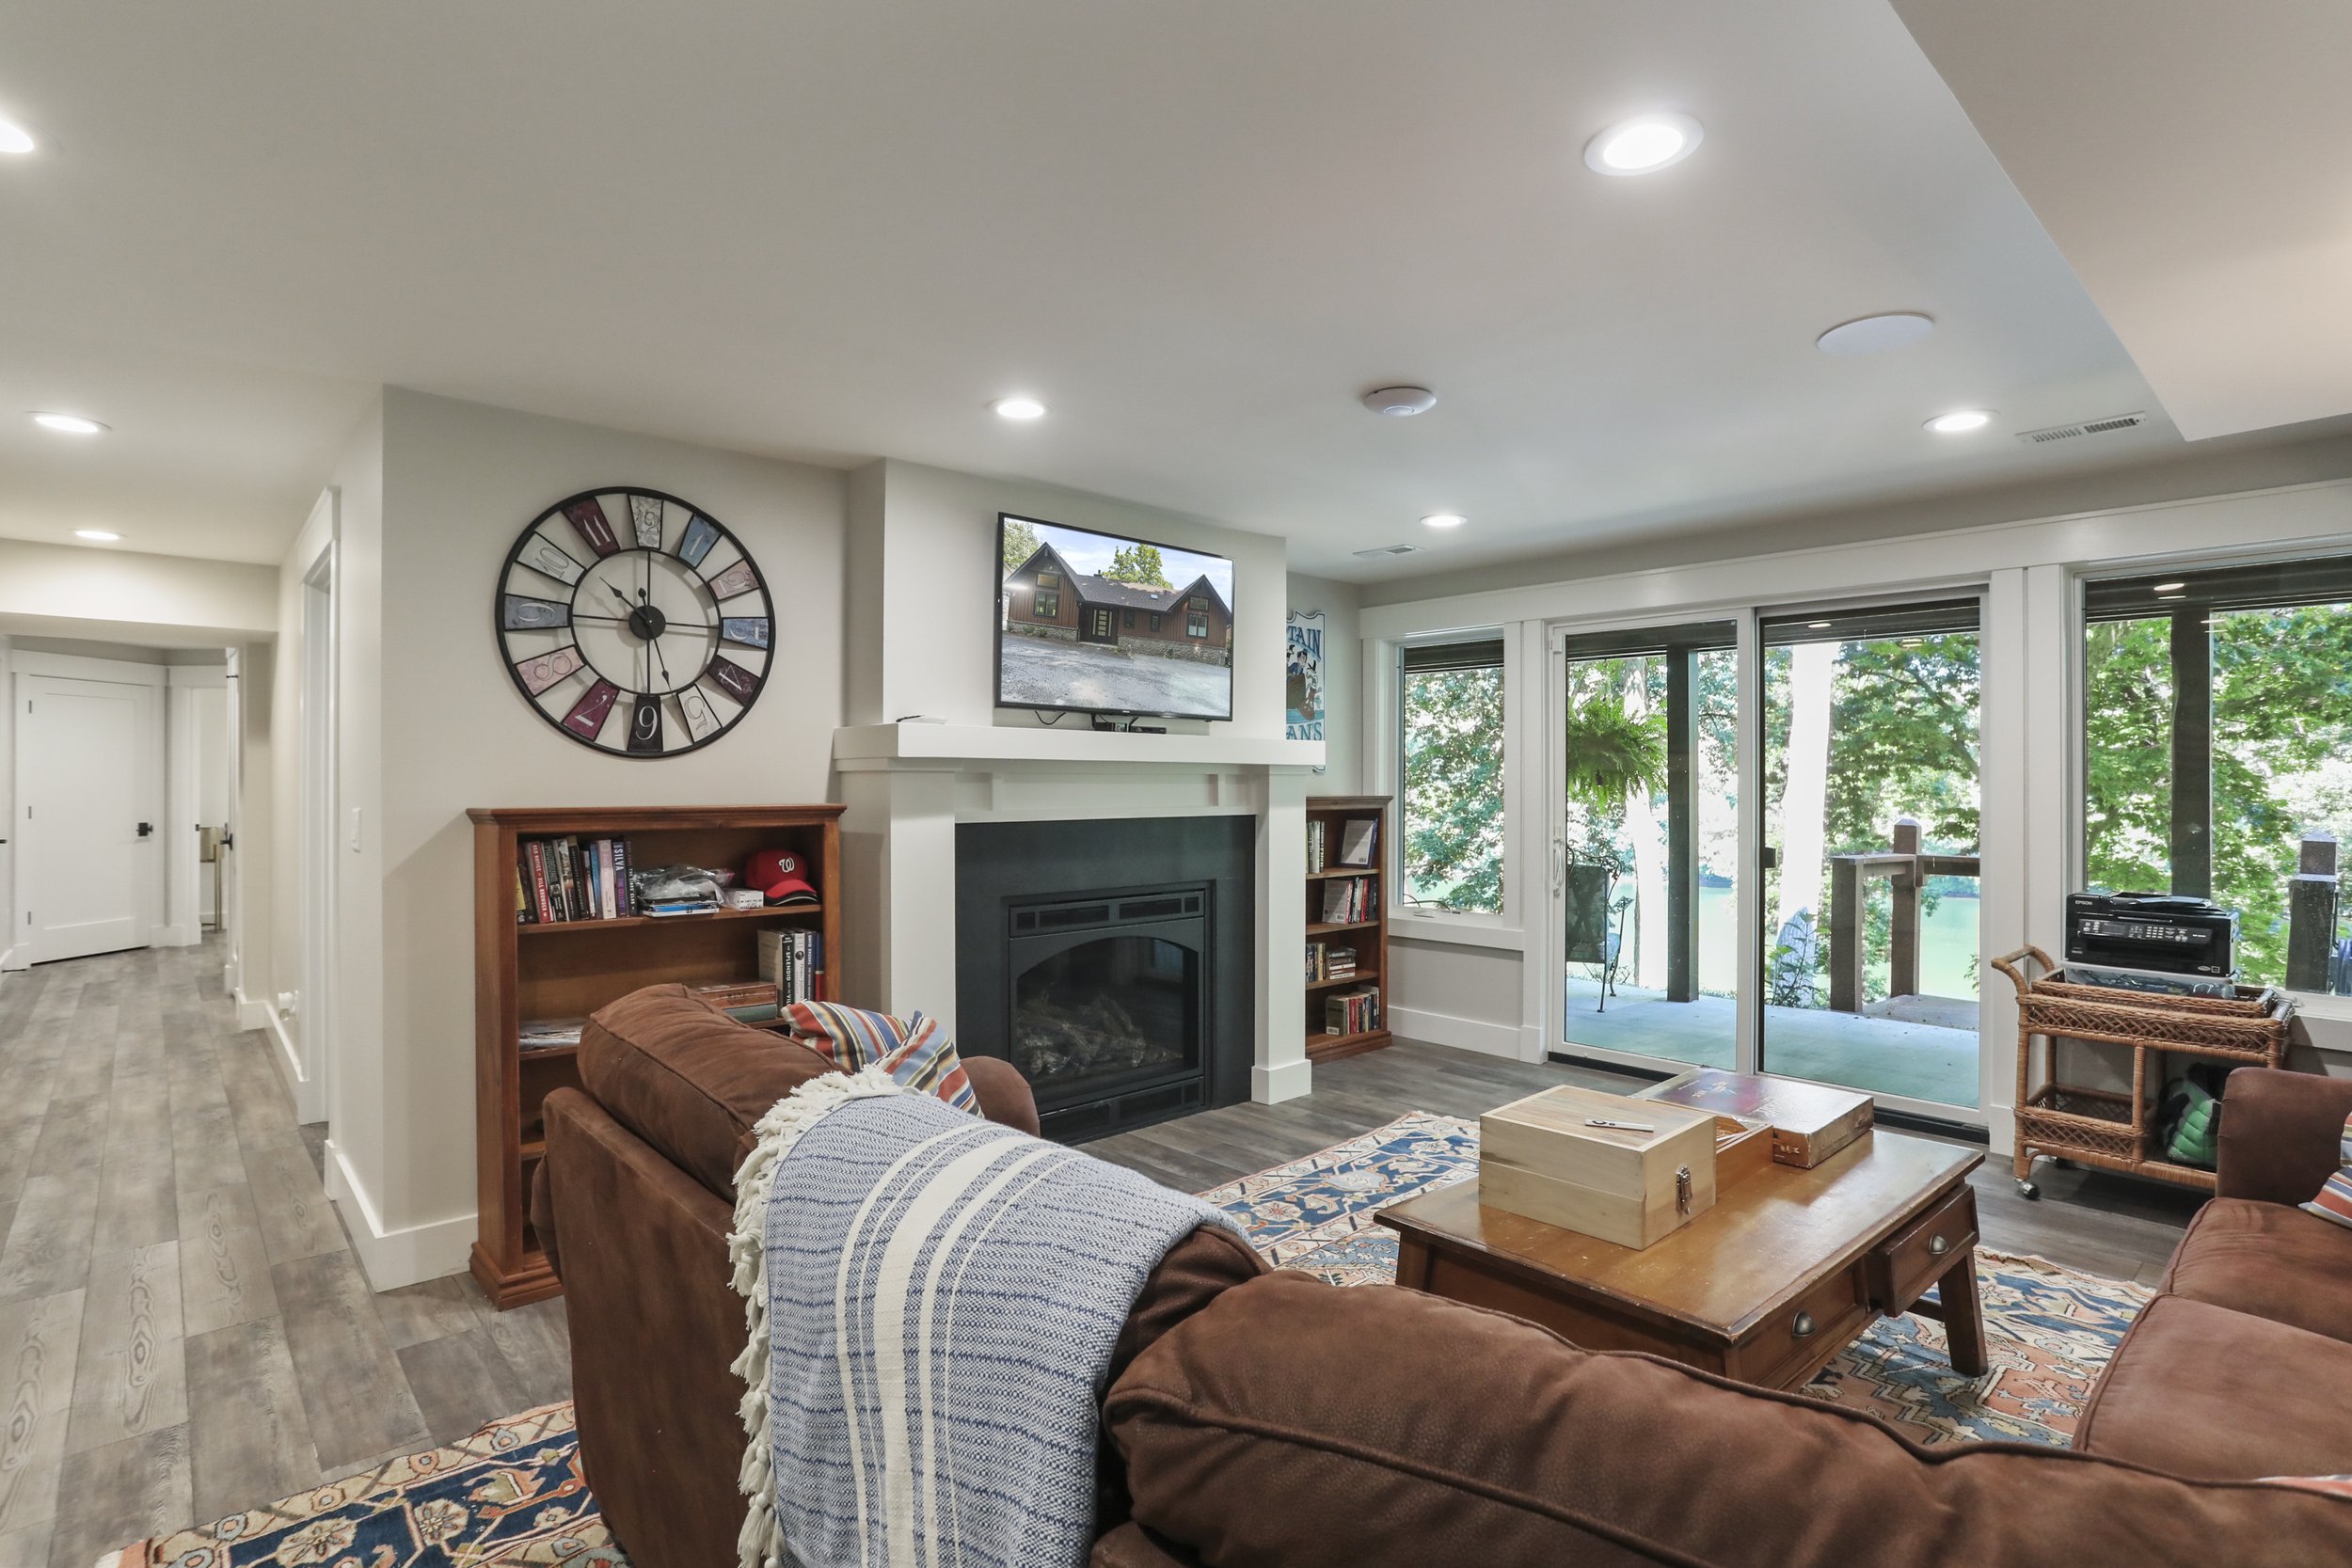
x=1044 y=598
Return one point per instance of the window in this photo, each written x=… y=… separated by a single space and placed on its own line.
x=1451 y=719
x=1155 y=622
x=1130 y=616
x=2216 y=725
x=1195 y=625
x=1045 y=605
x=1048 y=578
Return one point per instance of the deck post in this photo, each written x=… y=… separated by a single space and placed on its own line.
x=2192 y=752
x=1902 y=968
x=1845 y=934
x=2312 y=914
x=1682 y=825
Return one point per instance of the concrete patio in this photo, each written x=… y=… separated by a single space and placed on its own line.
x=1922 y=1047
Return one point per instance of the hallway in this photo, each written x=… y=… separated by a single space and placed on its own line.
x=184 y=1329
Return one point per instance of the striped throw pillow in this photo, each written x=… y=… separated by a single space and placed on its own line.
x=849 y=1037
x=915 y=1052
x=2334 y=1201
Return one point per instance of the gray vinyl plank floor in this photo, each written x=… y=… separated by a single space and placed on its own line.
x=189 y=1332
x=187 y=1326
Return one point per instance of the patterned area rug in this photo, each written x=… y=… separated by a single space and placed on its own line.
x=510 y=1495
x=2048 y=1330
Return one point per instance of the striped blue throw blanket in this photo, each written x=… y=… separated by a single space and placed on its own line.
x=932 y=1301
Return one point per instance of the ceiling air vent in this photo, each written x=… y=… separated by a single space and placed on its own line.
x=2089 y=427
x=1384 y=549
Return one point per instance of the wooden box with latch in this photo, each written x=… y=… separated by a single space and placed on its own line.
x=1627 y=1171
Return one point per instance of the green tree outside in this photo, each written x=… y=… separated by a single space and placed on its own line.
x=1139 y=564
x=1020 y=542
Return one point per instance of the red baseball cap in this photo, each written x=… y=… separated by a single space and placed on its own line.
x=778 y=874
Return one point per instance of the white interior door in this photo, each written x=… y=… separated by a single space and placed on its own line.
x=86 y=791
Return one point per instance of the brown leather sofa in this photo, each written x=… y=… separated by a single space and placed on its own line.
x=1267 y=1420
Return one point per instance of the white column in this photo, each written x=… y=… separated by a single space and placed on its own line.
x=898 y=875
x=1282 y=1070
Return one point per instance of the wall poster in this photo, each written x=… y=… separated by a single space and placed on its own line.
x=1303 y=687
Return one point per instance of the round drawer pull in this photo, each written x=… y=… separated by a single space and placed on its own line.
x=1804 y=1325
x=1938 y=1246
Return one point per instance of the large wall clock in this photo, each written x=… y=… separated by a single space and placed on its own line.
x=635 y=623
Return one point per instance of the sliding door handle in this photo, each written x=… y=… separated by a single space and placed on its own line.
x=146 y=827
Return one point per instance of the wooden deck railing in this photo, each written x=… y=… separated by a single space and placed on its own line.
x=1908 y=869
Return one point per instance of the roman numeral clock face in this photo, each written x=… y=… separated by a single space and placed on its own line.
x=635 y=623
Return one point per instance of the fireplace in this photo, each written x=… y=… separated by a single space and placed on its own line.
x=1123 y=1002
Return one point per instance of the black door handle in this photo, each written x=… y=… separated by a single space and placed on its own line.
x=146 y=827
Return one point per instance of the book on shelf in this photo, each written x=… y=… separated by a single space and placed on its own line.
x=1349 y=900
x=1352 y=1012
x=558 y=881
x=544 y=1034
x=754 y=1002
x=1329 y=961
x=1316 y=842
x=794 y=961
x=1359 y=840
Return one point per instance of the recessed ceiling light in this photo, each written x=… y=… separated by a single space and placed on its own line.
x=1400 y=403
x=1643 y=144
x=1017 y=408
x=1444 y=519
x=1817 y=626
x=1959 y=421
x=15 y=140
x=68 y=425
x=1875 y=334
x=97 y=535
x=2171 y=587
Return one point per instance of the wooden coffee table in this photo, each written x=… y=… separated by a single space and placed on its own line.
x=1787 y=1268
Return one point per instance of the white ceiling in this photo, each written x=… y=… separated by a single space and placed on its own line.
x=1197 y=229
x=2190 y=159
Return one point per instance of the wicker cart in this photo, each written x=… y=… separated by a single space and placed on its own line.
x=2095 y=1126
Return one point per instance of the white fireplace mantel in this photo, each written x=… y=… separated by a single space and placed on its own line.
x=908 y=785
x=979 y=747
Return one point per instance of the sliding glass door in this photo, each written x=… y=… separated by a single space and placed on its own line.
x=1868 y=918
x=1646 y=855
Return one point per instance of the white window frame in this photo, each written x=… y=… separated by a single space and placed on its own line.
x=1419 y=922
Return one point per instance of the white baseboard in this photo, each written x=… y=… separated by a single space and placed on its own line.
x=176 y=936
x=390 y=1258
x=1462 y=1033
x=1271 y=1085
x=250 y=1014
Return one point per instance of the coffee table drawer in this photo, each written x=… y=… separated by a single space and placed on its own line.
x=1792 y=1344
x=1903 y=1268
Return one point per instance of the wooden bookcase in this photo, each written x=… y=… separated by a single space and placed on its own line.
x=570 y=969
x=1369 y=937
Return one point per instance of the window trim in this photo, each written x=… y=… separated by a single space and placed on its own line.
x=1052 y=594
x=1504 y=928
x=1196 y=623
x=1048 y=578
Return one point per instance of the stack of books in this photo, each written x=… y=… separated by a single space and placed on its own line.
x=545 y=1034
x=754 y=1002
x=1326 y=962
x=1349 y=900
x=794 y=961
x=571 y=879
x=1352 y=1012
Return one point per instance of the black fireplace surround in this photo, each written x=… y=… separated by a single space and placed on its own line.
x=1112 y=960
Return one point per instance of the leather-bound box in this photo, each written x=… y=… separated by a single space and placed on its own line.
x=1542 y=1157
x=1809 y=1121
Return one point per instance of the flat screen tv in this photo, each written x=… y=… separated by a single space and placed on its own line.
x=1099 y=623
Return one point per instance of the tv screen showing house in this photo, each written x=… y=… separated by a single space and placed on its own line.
x=1103 y=624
